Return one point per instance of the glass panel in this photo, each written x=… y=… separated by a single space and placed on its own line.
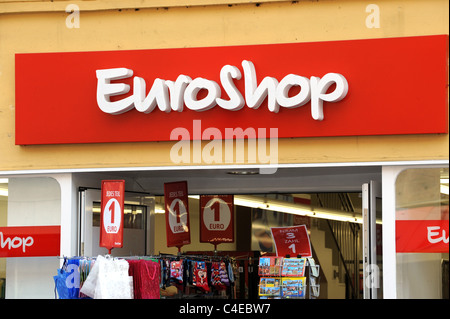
x=29 y=201
x=422 y=233
x=134 y=216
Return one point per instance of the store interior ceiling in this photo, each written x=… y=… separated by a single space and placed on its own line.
x=245 y=180
x=277 y=189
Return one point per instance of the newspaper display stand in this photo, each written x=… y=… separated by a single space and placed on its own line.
x=284 y=278
x=314 y=283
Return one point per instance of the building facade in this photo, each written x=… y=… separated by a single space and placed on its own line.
x=371 y=117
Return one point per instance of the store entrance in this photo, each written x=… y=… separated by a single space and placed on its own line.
x=336 y=228
x=334 y=196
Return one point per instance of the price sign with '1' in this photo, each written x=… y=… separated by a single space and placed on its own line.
x=216 y=219
x=177 y=214
x=111 y=217
x=292 y=241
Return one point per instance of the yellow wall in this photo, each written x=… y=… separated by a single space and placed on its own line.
x=40 y=26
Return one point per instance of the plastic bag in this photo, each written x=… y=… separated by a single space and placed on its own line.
x=60 y=285
x=67 y=280
x=109 y=279
x=90 y=283
x=113 y=280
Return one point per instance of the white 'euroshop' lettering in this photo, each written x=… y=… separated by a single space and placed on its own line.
x=16 y=242
x=172 y=96
x=433 y=231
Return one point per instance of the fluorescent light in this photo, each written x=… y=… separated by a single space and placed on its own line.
x=293 y=208
x=289 y=209
x=343 y=217
x=3 y=181
x=3 y=192
x=159 y=209
x=444 y=189
x=249 y=201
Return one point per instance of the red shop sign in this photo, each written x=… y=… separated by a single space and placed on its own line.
x=292 y=241
x=30 y=241
x=421 y=236
x=177 y=214
x=111 y=217
x=216 y=219
x=348 y=88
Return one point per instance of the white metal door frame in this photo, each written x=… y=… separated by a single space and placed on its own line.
x=87 y=197
x=371 y=280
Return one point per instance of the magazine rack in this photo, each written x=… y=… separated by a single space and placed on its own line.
x=284 y=278
x=293 y=287
x=314 y=277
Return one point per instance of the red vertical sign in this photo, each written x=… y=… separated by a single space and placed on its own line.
x=177 y=214
x=216 y=219
x=111 y=217
x=292 y=241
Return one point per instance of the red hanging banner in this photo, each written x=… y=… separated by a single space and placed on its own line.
x=292 y=241
x=111 y=217
x=30 y=241
x=216 y=219
x=177 y=214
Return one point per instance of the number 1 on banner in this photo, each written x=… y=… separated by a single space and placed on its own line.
x=292 y=247
x=215 y=207
x=176 y=209
x=111 y=211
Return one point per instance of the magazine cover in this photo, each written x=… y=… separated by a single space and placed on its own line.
x=293 y=287
x=270 y=286
x=294 y=267
x=270 y=266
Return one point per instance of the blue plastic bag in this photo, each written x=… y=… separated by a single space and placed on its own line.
x=67 y=281
x=60 y=284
